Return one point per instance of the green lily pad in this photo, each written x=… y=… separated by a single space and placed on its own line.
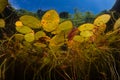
x=57 y=40
x=86 y=33
x=78 y=38
x=24 y=29
x=102 y=18
x=87 y=26
x=65 y=26
x=29 y=37
x=50 y=20
x=30 y=21
x=39 y=34
x=19 y=37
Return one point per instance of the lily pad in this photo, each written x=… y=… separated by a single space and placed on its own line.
x=87 y=26
x=50 y=20
x=30 y=21
x=78 y=38
x=57 y=40
x=19 y=37
x=29 y=37
x=86 y=33
x=65 y=26
x=102 y=19
x=39 y=34
x=24 y=29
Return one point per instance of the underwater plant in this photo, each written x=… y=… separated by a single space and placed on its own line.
x=51 y=49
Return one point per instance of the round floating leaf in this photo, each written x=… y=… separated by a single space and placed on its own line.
x=18 y=24
x=102 y=19
x=57 y=40
x=39 y=34
x=87 y=26
x=30 y=21
x=78 y=38
x=50 y=20
x=24 y=29
x=2 y=23
x=117 y=24
x=19 y=37
x=86 y=33
x=29 y=37
x=3 y=4
x=39 y=45
x=65 y=26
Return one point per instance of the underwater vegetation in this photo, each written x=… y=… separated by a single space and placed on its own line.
x=51 y=49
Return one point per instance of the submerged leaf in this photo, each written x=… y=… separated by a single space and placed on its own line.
x=50 y=20
x=29 y=37
x=87 y=26
x=19 y=37
x=78 y=38
x=24 y=29
x=39 y=34
x=117 y=24
x=3 y=4
x=57 y=40
x=65 y=26
x=102 y=19
x=39 y=45
x=86 y=33
x=30 y=21
x=2 y=23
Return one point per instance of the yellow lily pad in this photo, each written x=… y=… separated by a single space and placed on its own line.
x=24 y=29
x=50 y=20
x=102 y=19
x=65 y=26
x=86 y=33
x=78 y=38
x=19 y=37
x=57 y=40
x=87 y=26
x=30 y=21
x=39 y=34
x=29 y=37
